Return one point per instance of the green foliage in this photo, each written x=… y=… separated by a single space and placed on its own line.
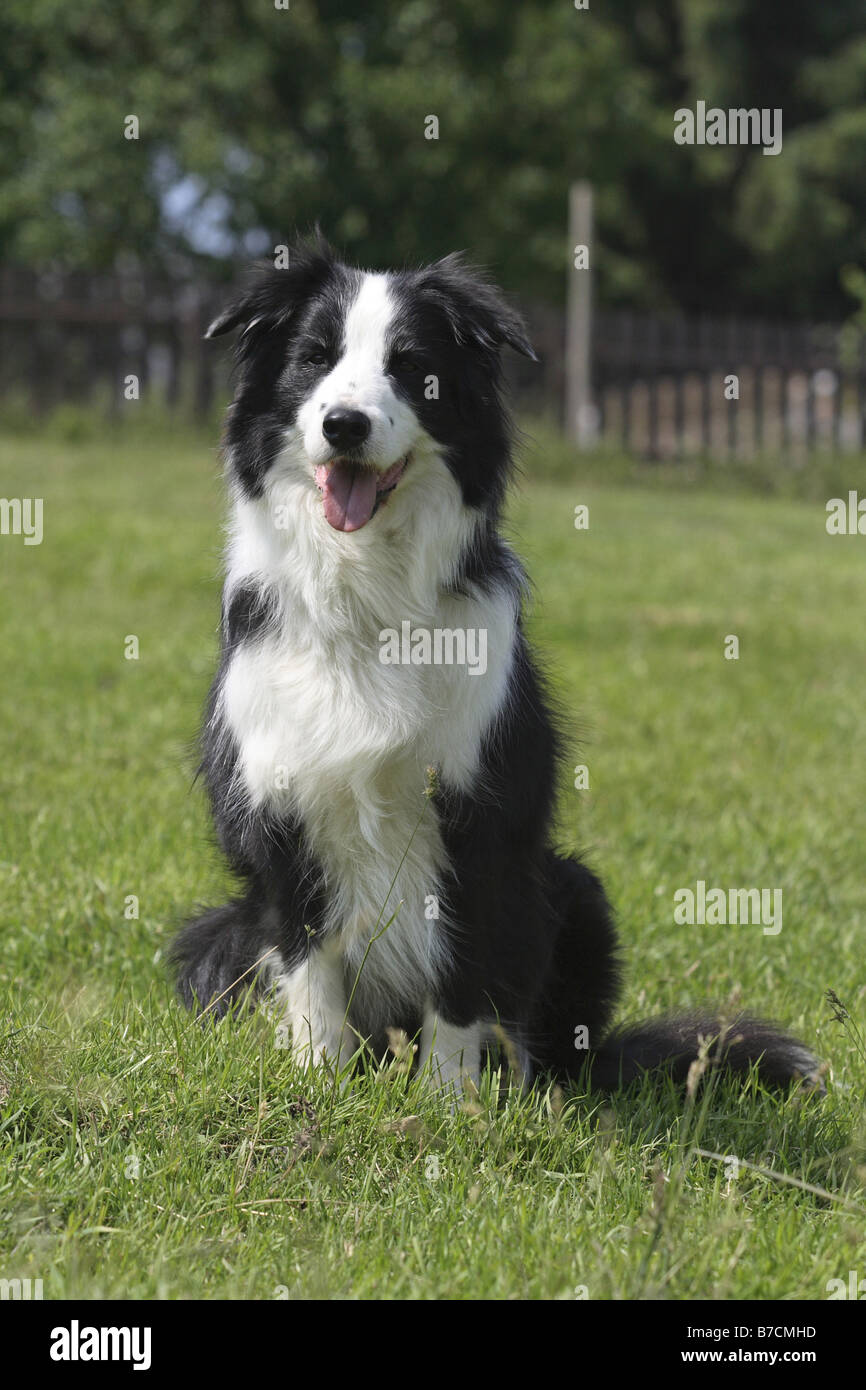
x=255 y=121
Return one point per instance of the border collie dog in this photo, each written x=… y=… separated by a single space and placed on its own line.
x=390 y=819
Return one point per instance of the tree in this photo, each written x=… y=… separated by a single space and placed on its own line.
x=253 y=121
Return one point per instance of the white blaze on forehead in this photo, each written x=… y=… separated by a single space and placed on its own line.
x=367 y=323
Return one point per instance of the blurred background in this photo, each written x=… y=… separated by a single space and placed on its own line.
x=146 y=153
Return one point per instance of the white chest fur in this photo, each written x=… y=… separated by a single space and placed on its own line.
x=330 y=734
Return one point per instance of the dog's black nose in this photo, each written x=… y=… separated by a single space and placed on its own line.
x=345 y=429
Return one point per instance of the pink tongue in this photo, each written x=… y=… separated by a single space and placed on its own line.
x=348 y=494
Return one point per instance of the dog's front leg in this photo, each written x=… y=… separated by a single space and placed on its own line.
x=314 y=995
x=450 y=1052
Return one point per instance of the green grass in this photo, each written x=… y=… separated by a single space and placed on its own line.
x=141 y=1156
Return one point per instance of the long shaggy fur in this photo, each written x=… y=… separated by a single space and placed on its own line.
x=398 y=816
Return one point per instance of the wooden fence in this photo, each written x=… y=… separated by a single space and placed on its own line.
x=677 y=386
x=80 y=337
x=670 y=386
x=658 y=386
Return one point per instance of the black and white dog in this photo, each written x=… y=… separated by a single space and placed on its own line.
x=368 y=451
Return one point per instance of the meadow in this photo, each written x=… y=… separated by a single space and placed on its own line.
x=144 y=1156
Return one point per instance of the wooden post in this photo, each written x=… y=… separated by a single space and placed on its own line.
x=580 y=419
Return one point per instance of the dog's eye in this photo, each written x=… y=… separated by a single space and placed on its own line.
x=405 y=362
x=316 y=357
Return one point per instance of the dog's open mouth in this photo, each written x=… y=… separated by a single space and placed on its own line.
x=352 y=493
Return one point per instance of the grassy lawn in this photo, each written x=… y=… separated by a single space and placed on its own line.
x=142 y=1156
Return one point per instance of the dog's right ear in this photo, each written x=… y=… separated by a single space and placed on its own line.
x=271 y=296
x=229 y=318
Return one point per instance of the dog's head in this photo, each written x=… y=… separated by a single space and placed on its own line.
x=356 y=385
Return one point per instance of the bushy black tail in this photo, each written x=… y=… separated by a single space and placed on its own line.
x=671 y=1044
x=571 y=1034
x=215 y=955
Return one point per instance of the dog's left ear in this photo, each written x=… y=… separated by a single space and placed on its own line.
x=475 y=308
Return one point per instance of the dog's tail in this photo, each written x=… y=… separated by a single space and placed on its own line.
x=672 y=1044
x=572 y=1033
x=220 y=957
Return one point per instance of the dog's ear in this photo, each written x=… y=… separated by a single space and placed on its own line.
x=476 y=309
x=270 y=295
